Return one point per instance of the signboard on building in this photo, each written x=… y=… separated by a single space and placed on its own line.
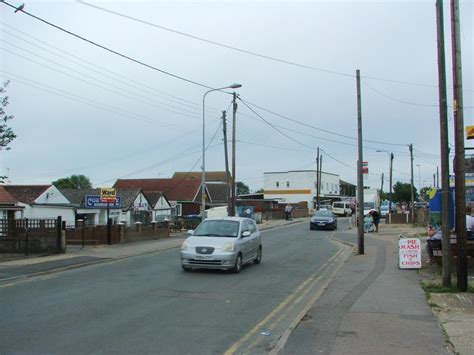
x=409 y=253
x=108 y=195
x=95 y=201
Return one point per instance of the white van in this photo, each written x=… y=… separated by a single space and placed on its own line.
x=342 y=208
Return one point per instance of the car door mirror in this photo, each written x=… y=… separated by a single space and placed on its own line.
x=246 y=234
x=190 y=232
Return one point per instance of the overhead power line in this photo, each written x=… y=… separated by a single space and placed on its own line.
x=126 y=80
x=109 y=49
x=314 y=127
x=241 y=50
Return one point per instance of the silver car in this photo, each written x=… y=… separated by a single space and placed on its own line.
x=222 y=243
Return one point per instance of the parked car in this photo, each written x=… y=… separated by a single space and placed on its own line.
x=384 y=210
x=323 y=219
x=222 y=243
x=342 y=208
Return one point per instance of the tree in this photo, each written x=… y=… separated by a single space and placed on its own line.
x=402 y=192
x=78 y=182
x=259 y=191
x=242 y=189
x=6 y=133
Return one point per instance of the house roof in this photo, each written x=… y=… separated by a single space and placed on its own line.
x=153 y=196
x=173 y=189
x=197 y=175
x=6 y=198
x=77 y=197
x=26 y=193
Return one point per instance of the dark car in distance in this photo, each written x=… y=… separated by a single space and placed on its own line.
x=323 y=219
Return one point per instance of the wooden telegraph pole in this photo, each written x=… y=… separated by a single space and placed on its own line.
x=460 y=186
x=226 y=158
x=443 y=125
x=360 y=182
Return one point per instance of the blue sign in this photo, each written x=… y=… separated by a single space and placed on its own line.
x=94 y=201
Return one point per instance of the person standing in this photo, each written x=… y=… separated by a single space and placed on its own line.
x=376 y=217
x=287 y=212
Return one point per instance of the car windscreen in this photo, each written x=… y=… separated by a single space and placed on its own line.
x=323 y=214
x=369 y=205
x=338 y=205
x=219 y=228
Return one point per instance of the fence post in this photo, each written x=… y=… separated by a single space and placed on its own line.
x=26 y=237
x=59 y=225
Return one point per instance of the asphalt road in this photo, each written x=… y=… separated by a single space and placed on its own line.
x=147 y=304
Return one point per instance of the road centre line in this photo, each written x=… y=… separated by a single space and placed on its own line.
x=275 y=311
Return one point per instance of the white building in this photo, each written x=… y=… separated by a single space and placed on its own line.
x=299 y=185
x=41 y=201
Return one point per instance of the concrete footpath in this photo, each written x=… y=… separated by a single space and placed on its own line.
x=76 y=256
x=372 y=307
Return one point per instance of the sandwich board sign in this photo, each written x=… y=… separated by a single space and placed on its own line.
x=409 y=253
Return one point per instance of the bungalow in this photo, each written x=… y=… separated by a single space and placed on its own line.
x=8 y=205
x=159 y=204
x=41 y=201
x=131 y=206
x=184 y=194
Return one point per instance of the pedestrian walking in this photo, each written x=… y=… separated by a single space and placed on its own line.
x=376 y=218
x=287 y=212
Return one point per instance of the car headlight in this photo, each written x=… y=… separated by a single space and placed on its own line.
x=185 y=246
x=229 y=246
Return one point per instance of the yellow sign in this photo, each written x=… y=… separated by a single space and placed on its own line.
x=108 y=195
x=470 y=132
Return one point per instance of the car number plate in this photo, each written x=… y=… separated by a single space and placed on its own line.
x=203 y=257
x=321 y=223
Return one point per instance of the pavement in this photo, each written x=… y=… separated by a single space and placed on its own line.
x=372 y=307
x=76 y=256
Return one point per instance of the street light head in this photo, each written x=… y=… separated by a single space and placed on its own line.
x=235 y=86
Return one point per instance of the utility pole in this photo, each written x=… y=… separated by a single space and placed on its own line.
x=410 y=147
x=381 y=185
x=460 y=185
x=320 y=175
x=390 y=191
x=434 y=180
x=437 y=168
x=227 y=189
x=234 y=119
x=317 y=180
x=444 y=144
x=360 y=182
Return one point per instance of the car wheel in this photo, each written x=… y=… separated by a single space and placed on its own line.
x=186 y=268
x=258 y=259
x=311 y=228
x=238 y=264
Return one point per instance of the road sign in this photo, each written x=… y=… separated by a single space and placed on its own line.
x=365 y=167
x=108 y=195
x=409 y=253
x=95 y=201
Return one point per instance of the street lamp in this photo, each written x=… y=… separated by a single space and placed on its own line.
x=203 y=178
x=390 y=154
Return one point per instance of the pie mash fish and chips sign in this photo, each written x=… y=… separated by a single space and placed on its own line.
x=409 y=253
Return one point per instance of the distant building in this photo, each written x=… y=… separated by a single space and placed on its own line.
x=300 y=186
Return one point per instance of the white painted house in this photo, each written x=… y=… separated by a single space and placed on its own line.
x=159 y=204
x=41 y=201
x=299 y=185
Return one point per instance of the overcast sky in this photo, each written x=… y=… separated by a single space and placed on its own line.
x=81 y=110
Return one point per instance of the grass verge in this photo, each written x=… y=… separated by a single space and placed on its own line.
x=431 y=287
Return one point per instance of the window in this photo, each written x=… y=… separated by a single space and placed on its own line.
x=277 y=184
x=252 y=226
x=178 y=210
x=287 y=184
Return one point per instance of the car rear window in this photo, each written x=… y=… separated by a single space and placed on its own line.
x=338 y=205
